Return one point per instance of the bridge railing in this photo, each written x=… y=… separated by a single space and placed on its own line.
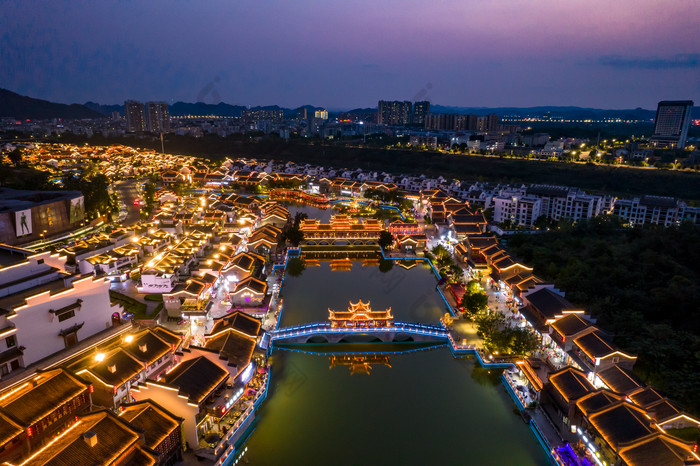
x=325 y=328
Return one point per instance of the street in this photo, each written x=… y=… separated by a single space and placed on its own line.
x=128 y=191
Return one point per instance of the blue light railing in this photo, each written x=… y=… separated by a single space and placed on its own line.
x=324 y=328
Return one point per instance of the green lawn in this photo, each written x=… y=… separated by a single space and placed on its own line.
x=129 y=304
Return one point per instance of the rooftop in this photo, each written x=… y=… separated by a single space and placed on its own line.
x=196 y=378
x=113 y=438
x=149 y=417
x=29 y=403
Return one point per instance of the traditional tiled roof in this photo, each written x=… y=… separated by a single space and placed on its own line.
x=244 y=261
x=117 y=367
x=548 y=303
x=166 y=335
x=571 y=383
x=253 y=284
x=152 y=419
x=147 y=346
x=620 y=380
x=29 y=403
x=239 y=321
x=481 y=241
x=571 y=324
x=660 y=450
x=9 y=429
x=593 y=402
x=233 y=347
x=621 y=424
x=114 y=439
x=597 y=345
x=196 y=378
x=646 y=397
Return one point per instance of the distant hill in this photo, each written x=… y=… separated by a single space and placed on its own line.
x=200 y=108
x=105 y=109
x=23 y=107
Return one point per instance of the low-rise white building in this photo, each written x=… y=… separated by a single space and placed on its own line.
x=518 y=209
x=44 y=310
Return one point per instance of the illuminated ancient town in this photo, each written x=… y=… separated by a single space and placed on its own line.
x=378 y=232
x=206 y=282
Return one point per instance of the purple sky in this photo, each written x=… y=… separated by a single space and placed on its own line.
x=493 y=53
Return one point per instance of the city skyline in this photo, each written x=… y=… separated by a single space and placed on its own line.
x=626 y=55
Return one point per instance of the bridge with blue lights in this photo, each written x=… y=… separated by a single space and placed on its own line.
x=326 y=333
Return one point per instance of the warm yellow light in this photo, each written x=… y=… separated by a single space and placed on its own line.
x=129 y=338
x=99 y=356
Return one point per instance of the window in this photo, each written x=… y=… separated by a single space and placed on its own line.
x=11 y=341
x=14 y=365
x=66 y=315
x=4 y=370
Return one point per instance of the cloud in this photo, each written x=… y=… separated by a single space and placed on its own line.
x=682 y=60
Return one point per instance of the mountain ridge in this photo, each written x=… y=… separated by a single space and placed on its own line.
x=22 y=107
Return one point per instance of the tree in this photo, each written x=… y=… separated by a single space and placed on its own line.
x=474 y=303
x=523 y=341
x=149 y=196
x=292 y=233
x=385 y=240
x=179 y=188
x=15 y=156
x=488 y=326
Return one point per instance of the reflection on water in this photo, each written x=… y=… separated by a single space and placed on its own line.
x=359 y=363
x=410 y=292
x=324 y=215
x=417 y=408
x=486 y=377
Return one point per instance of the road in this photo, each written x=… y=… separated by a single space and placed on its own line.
x=127 y=191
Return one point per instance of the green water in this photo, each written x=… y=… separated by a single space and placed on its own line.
x=324 y=215
x=428 y=408
x=411 y=293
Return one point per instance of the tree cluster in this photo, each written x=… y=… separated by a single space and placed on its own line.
x=475 y=301
x=292 y=233
x=445 y=264
x=500 y=339
x=98 y=201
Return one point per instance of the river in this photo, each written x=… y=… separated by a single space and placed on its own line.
x=426 y=408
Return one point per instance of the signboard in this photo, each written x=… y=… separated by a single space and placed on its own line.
x=23 y=222
x=77 y=209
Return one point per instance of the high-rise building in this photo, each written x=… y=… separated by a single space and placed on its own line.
x=394 y=112
x=671 y=124
x=420 y=111
x=302 y=113
x=441 y=121
x=157 y=117
x=133 y=112
x=322 y=114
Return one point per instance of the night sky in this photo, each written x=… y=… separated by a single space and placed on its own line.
x=604 y=54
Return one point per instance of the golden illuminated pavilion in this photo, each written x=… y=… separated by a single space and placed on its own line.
x=360 y=314
x=359 y=363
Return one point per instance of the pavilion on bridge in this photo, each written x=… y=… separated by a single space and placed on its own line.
x=360 y=314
